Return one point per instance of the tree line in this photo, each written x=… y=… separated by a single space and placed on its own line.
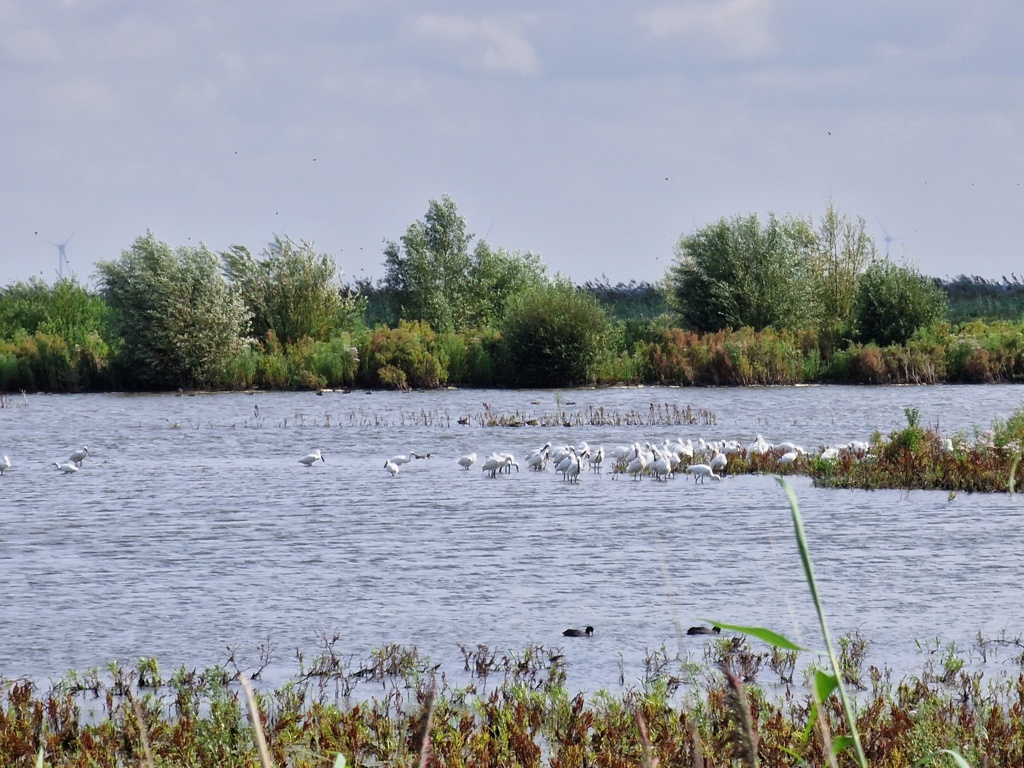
x=743 y=302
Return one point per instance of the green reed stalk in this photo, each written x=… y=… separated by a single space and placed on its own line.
x=805 y=558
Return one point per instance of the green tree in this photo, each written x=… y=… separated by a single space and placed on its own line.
x=844 y=250
x=291 y=290
x=554 y=336
x=180 y=322
x=67 y=309
x=495 y=277
x=736 y=273
x=894 y=301
x=427 y=276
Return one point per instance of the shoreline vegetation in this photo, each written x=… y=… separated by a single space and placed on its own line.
x=741 y=704
x=787 y=301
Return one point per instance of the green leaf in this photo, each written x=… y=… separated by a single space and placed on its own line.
x=824 y=684
x=761 y=633
x=839 y=743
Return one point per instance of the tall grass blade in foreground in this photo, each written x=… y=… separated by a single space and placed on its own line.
x=837 y=673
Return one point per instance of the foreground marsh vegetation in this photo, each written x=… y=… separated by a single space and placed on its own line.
x=737 y=706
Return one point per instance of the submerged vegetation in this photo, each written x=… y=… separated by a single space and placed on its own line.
x=743 y=303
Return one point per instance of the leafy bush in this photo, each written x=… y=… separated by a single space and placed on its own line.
x=893 y=302
x=407 y=350
x=553 y=337
x=180 y=322
x=292 y=290
x=736 y=273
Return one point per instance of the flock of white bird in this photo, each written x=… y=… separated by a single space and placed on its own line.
x=67 y=467
x=702 y=460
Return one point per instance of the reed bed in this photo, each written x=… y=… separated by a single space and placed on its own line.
x=737 y=706
x=655 y=415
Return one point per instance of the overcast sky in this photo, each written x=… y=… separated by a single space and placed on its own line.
x=593 y=133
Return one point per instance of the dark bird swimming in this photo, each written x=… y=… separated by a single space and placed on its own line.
x=703 y=630
x=588 y=632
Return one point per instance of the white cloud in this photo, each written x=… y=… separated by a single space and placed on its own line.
x=741 y=27
x=485 y=45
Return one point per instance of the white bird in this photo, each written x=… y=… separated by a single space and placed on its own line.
x=312 y=458
x=596 y=460
x=572 y=474
x=391 y=467
x=536 y=459
x=67 y=469
x=400 y=460
x=78 y=456
x=494 y=464
x=789 y=457
x=564 y=464
x=636 y=467
x=759 y=446
x=718 y=462
x=509 y=462
x=700 y=471
x=5 y=464
x=830 y=453
x=661 y=466
x=467 y=461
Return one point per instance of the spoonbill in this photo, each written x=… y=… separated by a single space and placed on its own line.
x=391 y=467
x=700 y=471
x=495 y=464
x=67 y=469
x=588 y=632
x=572 y=473
x=718 y=461
x=467 y=461
x=78 y=456
x=789 y=457
x=312 y=458
x=5 y=464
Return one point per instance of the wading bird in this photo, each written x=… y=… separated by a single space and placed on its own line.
x=312 y=458
x=391 y=467
x=4 y=464
x=467 y=461
x=78 y=456
x=700 y=471
x=67 y=469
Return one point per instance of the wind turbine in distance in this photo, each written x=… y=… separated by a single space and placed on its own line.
x=62 y=256
x=887 y=240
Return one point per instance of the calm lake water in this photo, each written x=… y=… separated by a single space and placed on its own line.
x=192 y=528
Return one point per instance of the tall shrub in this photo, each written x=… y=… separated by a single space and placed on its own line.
x=554 y=336
x=737 y=273
x=291 y=290
x=895 y=301
x=180 y=322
